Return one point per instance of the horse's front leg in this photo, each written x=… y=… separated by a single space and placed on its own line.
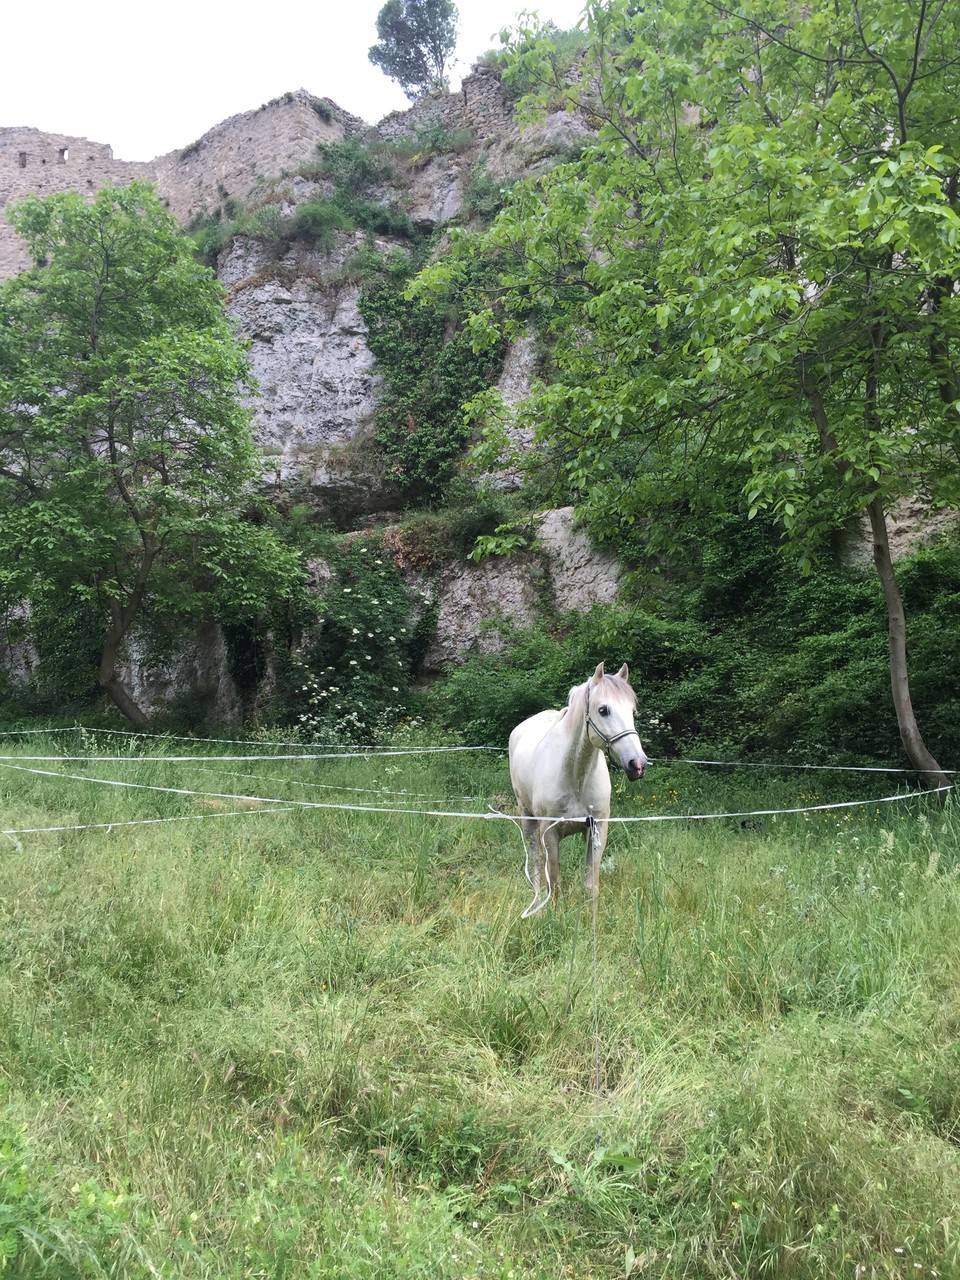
x=534 y=854
x=550 y=838
x=596 y=842
x=543 y=862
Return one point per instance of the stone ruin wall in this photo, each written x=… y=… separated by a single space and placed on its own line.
x=227 y=160
x=230 y=157
x=33 y=162
x=480 y=105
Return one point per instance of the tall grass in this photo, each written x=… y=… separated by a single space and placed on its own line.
x=321 y=1042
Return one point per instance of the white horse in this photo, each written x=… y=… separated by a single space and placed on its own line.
x=560 y=776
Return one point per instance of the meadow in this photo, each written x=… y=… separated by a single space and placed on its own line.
x=276 y=1041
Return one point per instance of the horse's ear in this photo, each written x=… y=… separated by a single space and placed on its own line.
x=598 y=674
x=624 y=673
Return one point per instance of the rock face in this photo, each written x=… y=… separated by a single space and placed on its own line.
x=18 y=656
x=308 y=345
x=298 y=307
x=200 y=671
x=477 y=603
x=582 y=575
x=910 y=525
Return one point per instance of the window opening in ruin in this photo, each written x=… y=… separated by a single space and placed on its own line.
x=23 y=159
x=64 y=154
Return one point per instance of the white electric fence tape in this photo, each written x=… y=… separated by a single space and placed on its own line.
x=442 y=813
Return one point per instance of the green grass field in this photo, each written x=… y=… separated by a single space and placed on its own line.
x=321 y=1043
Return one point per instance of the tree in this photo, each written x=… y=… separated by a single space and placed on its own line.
x=126 y=456
x=754 y=265
x=417 y=38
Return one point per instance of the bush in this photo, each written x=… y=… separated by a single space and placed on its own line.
x=733 y=654
x=485 y=195
x=352 y=167
x=317 y=221
x=487 y=696
x=352 y=675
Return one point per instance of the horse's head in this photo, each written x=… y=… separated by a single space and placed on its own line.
x=611 y=704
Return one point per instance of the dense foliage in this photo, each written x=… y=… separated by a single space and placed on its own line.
x=756 y=262
x=430 y=368
x=126 y=456
x=767 y=272
x=354 y=172
x=733 y=654
x=350 y=667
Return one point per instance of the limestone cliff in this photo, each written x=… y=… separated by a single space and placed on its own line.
x=298 y=306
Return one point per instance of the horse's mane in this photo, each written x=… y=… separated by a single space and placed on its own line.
x=609 y=687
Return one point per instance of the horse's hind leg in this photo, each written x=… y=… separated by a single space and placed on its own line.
x=596 y=842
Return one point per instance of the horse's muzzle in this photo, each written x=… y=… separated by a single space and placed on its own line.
x=634 y=769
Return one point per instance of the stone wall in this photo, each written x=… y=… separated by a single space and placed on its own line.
x=32 y=162
x=225 y=161
x=479 y=105
x=229 y=158
x=485 y=107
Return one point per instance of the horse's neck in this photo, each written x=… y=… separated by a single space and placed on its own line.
x=579 y=752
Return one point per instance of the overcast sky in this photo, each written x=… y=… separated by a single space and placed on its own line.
x=152 y=78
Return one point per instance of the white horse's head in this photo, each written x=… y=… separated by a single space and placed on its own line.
x=610 y=706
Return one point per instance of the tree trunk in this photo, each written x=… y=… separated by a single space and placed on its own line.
x=107 y=677
x=913 y=743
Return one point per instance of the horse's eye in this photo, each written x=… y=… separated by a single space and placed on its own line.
x=604 y=711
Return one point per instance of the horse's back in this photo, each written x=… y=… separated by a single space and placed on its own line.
x=534 y=727
x=526 y=742
x=530 y=733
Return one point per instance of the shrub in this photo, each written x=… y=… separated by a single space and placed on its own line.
x=733 y=654
x=265 y=223
x=317 y=222
x=354 y=671
x=485 y=195
x=486 y=696
x=352 y=167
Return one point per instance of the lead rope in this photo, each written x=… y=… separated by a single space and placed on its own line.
x=595 y=896
x=539 y=903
